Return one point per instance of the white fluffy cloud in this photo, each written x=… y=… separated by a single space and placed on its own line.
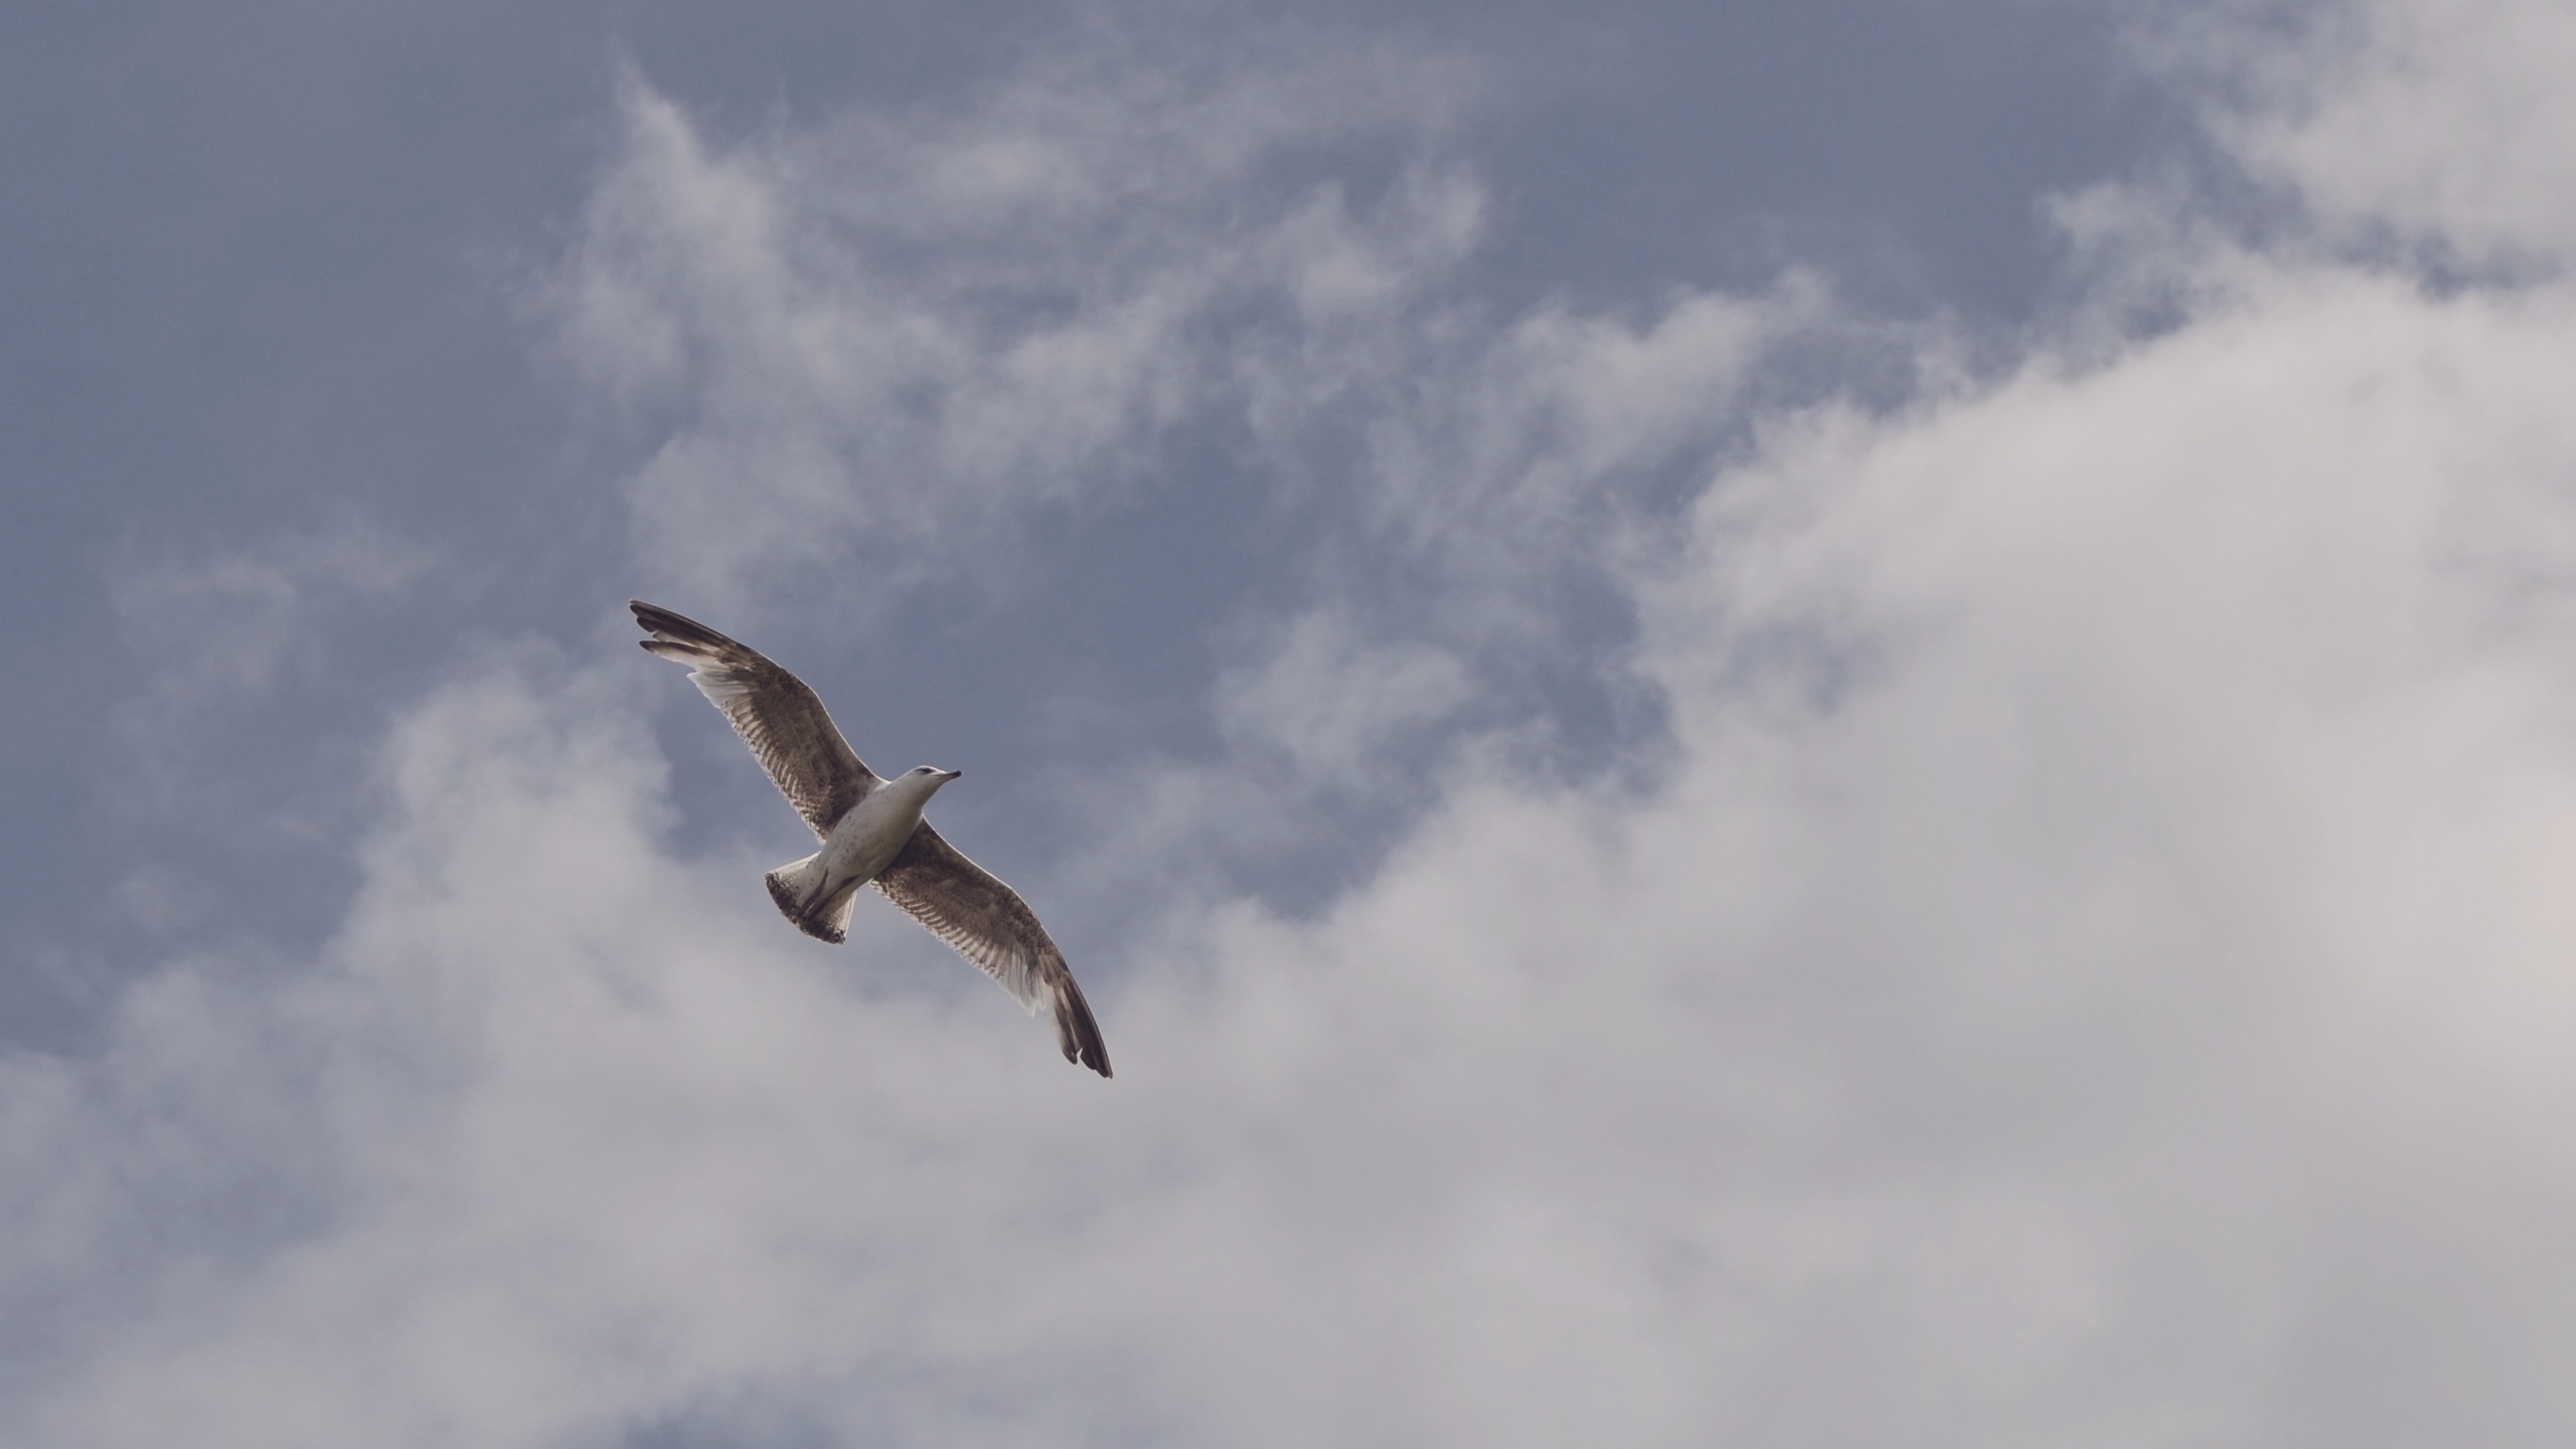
x=879 y=337
x=2088 y=968
x=2441 y=123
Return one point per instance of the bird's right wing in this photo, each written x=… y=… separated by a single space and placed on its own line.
x=986 y=922
x=786 y=726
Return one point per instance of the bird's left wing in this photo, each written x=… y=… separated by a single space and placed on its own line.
x=986 y=922
x=776 y=714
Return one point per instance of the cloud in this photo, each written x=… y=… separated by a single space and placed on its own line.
x=881 y=337
x=1538 y=424
x=219 y=644
x=1332 y=705
x=218 y=629
x=2088 y=967
x=2443 y=124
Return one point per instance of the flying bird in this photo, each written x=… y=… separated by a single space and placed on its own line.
x=872 y=831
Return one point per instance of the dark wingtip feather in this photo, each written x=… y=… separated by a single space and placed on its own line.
x=662 y=621
x=1076 y=1032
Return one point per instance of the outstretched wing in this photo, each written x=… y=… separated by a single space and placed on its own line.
x=775 y=713
x=986 y=922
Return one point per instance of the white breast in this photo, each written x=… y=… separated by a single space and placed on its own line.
x=866 y=838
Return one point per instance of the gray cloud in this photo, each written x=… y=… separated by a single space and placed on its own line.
x=896 y=331
x=2432 y=125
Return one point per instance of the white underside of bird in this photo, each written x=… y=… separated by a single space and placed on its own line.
x=863 y=842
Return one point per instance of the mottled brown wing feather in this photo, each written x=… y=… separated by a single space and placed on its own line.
x=789 y=731
x=986 y=922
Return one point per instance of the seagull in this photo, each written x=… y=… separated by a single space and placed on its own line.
x=872 y=831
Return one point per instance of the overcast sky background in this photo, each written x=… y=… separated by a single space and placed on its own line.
x=1834 y=725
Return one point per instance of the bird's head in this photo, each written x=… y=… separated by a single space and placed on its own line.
x=925 y=780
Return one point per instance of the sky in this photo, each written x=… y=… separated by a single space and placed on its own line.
x=1780 y=726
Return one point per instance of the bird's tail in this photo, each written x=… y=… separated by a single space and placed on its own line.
x=797 y=887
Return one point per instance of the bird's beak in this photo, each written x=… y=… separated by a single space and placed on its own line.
x=947 y=775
